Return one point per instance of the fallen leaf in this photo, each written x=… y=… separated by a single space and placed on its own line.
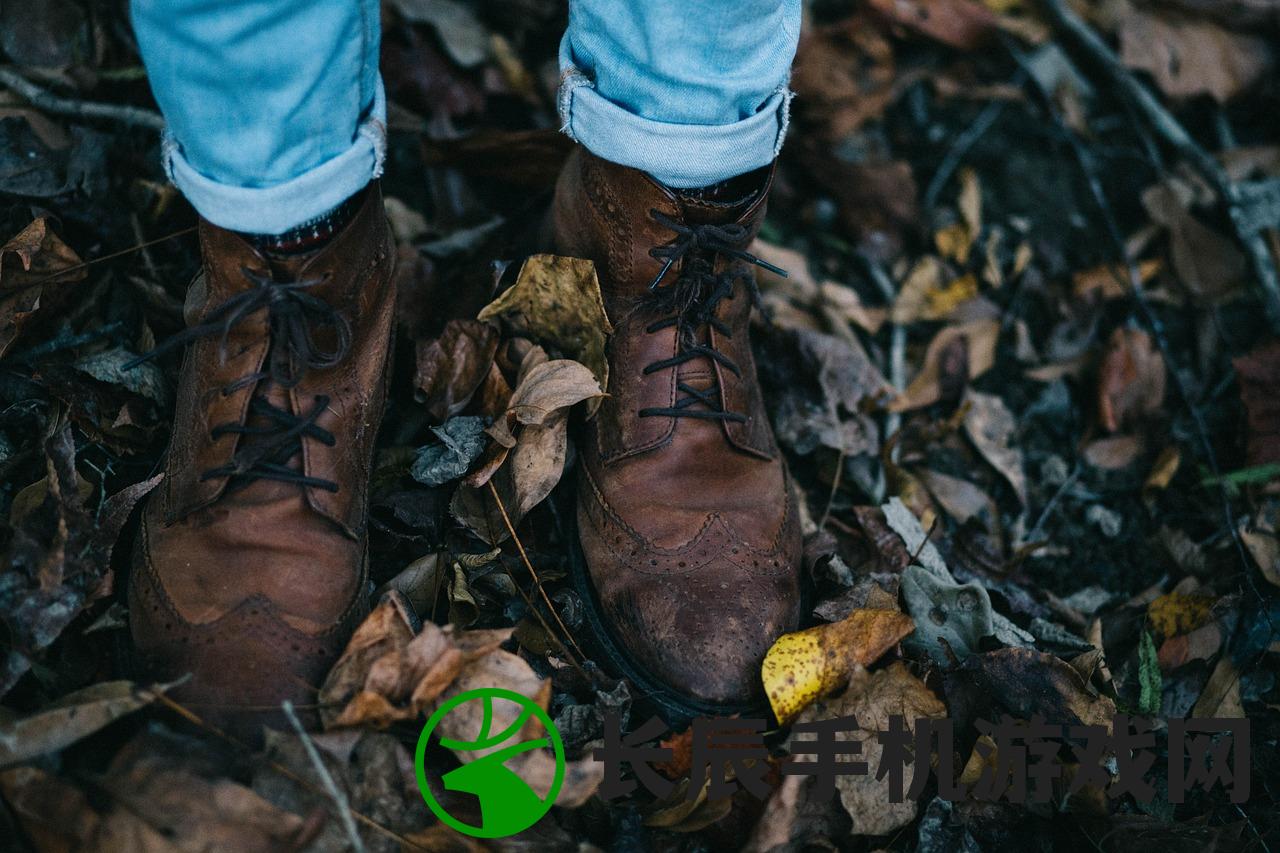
x=1023 y=683
x=1179 y=613
x=961 y=499
x=1131 y=379
x=1113 y=453
x=69 y=719
x=976 y=342
x=872 y=698
x=30 y=262
x=387 y=673
x=535 y=461
x=1188 y=57
x=461 y=443
x=451 y=368
x=844 y=75
x=1208 y=263
x=556 y=302
x=991 y=427
x=805 y=665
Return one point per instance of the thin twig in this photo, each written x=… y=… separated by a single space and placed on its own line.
x=897 y=344
x=335 y=794
x=537 y=582
x=58 y=105
x=198 y=721
x=173 y=235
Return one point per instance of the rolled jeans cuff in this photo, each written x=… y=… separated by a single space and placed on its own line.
x=680 y=156
x=277 y=208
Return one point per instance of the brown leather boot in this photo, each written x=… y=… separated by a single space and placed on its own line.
x=249 y=571
x=685 y=510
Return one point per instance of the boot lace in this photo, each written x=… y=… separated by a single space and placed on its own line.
x=689 y=304
x=293 y=315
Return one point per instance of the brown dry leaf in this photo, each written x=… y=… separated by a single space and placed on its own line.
x=991 y=426
x=388 y=674
x=541 y=394
x=1114 y=452
x=1209 y=264
x=72 y=717
x=452 y=368
x=160 y=805
x=1201 y=644
x=873 y=698
x=53 y=813
x=1258 y=374
x=961 y=499
x=1163 y=471
x=148 y=801
x=961 y=24
x=1024 y=682
x=34 y=255
x=808 y=664
x=962 y=352
x=526 y=474
x=556 y=302
x=1190 y=57
x=1131 y=379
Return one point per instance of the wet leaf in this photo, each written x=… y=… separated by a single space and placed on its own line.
x=805 y=665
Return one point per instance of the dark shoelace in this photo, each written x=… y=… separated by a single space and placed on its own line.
x=690 y=303
x=292 y=314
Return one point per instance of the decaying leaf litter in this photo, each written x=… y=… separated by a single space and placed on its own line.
x=1022 y=367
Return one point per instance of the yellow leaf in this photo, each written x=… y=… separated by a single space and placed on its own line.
x=556 y=302
x=806 y=665
x=1177 y=613
x=945 y=300
x=1162 y=472
x=954 y=242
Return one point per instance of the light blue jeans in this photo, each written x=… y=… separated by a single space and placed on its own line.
x=276 y=113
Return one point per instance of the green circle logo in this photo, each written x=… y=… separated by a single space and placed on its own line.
x=507 y=804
